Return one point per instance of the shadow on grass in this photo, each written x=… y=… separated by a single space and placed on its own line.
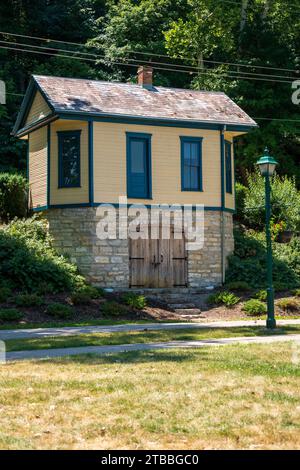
x=131 y=357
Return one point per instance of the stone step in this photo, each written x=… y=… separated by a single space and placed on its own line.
x=188 y=311
x=181 y=306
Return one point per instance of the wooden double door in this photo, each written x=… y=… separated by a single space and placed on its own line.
x=158 y=263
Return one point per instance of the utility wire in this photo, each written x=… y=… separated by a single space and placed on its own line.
x=188 y=68
x=149 y=53
x=199 y=72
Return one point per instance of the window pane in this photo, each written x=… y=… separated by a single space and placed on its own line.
x=187 y=152
x=70 y=160
x=137 y=156
x=191 y=163
x=187 y=176
x=228 y=169
x=194 y=178
x=194 y=154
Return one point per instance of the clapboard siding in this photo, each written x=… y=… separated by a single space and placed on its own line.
x=69 y=195
x=39 y=109
x=110 y=164
x=38 y=167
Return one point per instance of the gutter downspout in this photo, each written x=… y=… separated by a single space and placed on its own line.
x=222 y=215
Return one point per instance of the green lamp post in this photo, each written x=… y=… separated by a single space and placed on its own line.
x=267 y=165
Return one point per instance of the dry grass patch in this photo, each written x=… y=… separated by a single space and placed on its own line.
x=241 y=396
x=147 y=336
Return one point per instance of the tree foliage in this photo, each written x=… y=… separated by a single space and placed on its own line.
x=205 y=34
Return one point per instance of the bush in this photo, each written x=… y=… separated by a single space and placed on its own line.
x=28 y=300
x=113 y=309
x=262 y=295
x=80 y=298
x=28 y=260
x=5 y=293
x=10 y=314
x=90 y=291
x=248 y=263
x=225 y=298
x=58 y=310
x=134 y=300
x=284 y=191
x=13 y=196
x=255 y=307
x=238 y=286
x=289 y=304
x=296 y=292
x=240 y=196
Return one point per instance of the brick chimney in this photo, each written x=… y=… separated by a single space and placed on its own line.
x=145 y=74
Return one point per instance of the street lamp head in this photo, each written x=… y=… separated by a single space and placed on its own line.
x=267 y=164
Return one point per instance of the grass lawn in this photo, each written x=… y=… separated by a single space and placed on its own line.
x=90 y=322
x=102 y=339
x=231 y=397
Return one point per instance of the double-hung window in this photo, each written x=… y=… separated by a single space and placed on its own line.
x=191 y=163
x=69 y=159
x=228 y=167
x=139 y=165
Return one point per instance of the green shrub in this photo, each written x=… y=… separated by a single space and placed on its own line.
x=58 y=310
x=28 y=260
x=134 y=300
x=262 y=295
x=280 y=286
x=28 y=300
x=5 y=293
x=226 y=298
x=10 y=314
x=13 y=196
x=248 y=262
x=238 y=286
x=289 y=304
x=113 y=309
x=284 y=190
x=80 y=298
x=296 y=292
x=240 y=196
x=255 y=307
x=90 y=291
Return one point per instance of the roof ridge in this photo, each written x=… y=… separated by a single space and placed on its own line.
x=128 y=84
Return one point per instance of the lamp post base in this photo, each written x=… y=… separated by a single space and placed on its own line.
x=271 y=323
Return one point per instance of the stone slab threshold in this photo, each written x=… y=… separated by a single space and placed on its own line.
x=81 y=330
x=103 y=350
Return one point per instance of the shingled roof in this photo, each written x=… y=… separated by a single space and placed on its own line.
x=79 y=96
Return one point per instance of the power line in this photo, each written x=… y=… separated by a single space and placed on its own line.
x=134 y=60
x=276 y=119
x=149 y=53
x=127 y=64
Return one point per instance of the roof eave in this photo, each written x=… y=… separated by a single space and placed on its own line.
x=35 y=126
x=109 y=117
x=32 y=88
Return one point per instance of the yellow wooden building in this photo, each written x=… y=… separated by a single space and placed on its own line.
x=90 y=142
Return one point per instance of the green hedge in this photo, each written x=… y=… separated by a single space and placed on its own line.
x=248 y=263
x=27 y=259
x=13 y=196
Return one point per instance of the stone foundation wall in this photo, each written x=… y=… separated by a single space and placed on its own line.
x=106 y=262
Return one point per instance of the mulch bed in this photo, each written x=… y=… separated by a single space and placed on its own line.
x=156 y=311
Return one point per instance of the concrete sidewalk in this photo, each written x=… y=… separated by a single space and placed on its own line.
x=71 y=331
x=101 y=350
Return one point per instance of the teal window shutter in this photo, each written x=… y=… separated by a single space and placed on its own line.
x=228 y=167
x=69 y=159
x=139 y=178
x=191 y=163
